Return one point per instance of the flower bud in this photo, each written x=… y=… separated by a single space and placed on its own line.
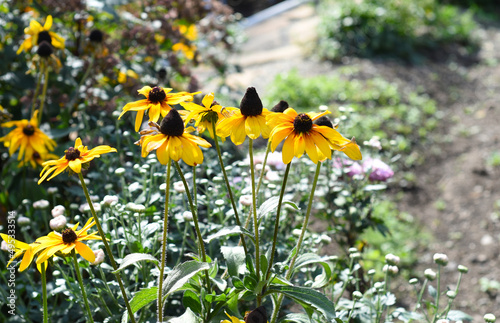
x=378 y=285
x=163 y=187
x=392 y=270
x=246 y=200
x=4 y=246
x=58 y=223
x=188 y=216
x=23 y=221
x=451 y=294
x=353 y=250
x=179 y=187
x=52 y=190
x=41 y=204
x=430 y=274
x=413 y=281
x=139 y=208
x=392 y=259
x=110 y=199
x=120 y=171
x=356 y=295
x=463 y=269
x=440 y=259
x=99 y=257
x=355 y=255
x=489 y=318
x=371 y=272
x=58 y=210
x=443 y=321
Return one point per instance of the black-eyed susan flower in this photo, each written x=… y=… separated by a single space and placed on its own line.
x=37 y=159
x=249 y=120
x=38 y=33
x=172 y=141
x=65 y=242
x=301 y=136
x=207 y=115
x=28 y=138
x=232 y=319
x=21 y=248
x=158 y=101
x=73 y=158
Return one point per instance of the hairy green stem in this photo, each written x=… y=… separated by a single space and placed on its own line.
x=194 y=211
x=82 y=288
x=44 y=293
x=254 y=211
x=106 y=246
x=229 y=190
x=299 y=242
x=44 y=92
x=277 y=221
x=164 y=244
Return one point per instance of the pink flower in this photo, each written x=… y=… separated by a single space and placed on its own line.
x=378 y=170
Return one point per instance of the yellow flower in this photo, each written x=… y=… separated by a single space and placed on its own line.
x=158 y=101
x=301 y=136
x=172 y=141
x=207 y=115
x=249 y=120
x=67 y=241
x=74 y=157
x=37 y=159
x=21 y=248
x=234 y=319
x=189 y=32
x=188 y=50
x=28 y=138
x=122 y=76
x=38 y=33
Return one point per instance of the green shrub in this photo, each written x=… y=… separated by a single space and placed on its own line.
x=402 y=29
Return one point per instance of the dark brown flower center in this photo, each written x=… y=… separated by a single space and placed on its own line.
x=162 y=73
x=157 y=95
x=280 y=107
x=251 y=105
x=36 y=155
x=44 y=49
x=72 y=153
x=302 y=123
x=29 y=130
x=44 y=36
x=172 y=124
x=324 y=121
x=69 y=236
x=96 y=36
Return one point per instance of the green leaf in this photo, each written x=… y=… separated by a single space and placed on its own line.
x=192 y=301
x=181 y=274
x=141 y=299
x=297 y=318
x=235 y=260
x=307 y=298
x=231 y=231
x=134 y=258
x=455 y=315
x=312 y=258
x=187 y=317
x=271 y=204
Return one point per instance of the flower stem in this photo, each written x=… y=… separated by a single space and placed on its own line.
x=44 y=294
x=37 y=89
x=264 y=163
x=277 y=221
x=44 y=92
x=84 y=77
x=254 y=210
x=299 y=242
x=163 y=246
x=201 y=245
x=106 y=246
x=438 y=292
x=82 y=288
x=229 y=191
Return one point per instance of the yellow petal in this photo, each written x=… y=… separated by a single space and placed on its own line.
x=85 y=251
x=48 y=23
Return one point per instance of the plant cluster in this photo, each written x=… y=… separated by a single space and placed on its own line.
x=401 y=29
x=140 y=209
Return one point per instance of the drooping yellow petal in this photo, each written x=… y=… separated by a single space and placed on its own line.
x=85 y=251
